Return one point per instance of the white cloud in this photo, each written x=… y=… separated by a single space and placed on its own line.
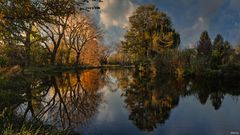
x=200 y=19
x=114 y=16
x=116 y=12
x=200 y=25
x=215 y=16
x=191 y=34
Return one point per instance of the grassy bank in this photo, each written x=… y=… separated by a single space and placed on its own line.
x=29 y=130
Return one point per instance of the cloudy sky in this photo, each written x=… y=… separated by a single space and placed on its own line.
x=189 y=17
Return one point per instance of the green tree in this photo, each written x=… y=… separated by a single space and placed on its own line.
x=18 y=18
x=204 y=45
x=39 y=55
x=220 y=51
x=218 y=42
x=150 y=32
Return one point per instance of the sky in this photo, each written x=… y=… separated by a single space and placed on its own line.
x=189 y=18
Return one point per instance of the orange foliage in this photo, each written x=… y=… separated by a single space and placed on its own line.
x=90 y=80
x=91 y=53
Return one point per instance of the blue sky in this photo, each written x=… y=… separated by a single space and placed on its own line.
x=189 y=18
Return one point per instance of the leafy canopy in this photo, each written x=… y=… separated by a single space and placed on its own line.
x=150 y=31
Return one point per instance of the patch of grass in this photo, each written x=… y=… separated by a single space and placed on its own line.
x=30 y=130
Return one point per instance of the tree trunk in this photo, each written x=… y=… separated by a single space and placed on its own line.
x=55 y=49
x=77 y=59
x=28 y=49
x=28 y=56
x=53 y=56
x=53 y=59
x=61 y=101
x=29 y=102
x=68 y=56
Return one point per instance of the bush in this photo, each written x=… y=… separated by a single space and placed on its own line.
x=171 y=61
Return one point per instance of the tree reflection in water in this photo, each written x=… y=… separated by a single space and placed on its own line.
x=65 y=101
x=71 y=100
x=150 y=98
x=214 y=90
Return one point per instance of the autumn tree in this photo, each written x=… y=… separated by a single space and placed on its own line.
x=150 y=31
x=19 y=20
x=80 y=31
x=104 y=53
x=94 y=54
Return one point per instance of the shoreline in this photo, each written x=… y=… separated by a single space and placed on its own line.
x=17 y=70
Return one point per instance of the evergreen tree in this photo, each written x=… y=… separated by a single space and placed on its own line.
x=218 y=42
x=220 y=51
x=204 y=45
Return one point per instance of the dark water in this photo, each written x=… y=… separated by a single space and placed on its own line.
x=123 y=102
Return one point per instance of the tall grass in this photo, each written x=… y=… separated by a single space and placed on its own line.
x=30 y=130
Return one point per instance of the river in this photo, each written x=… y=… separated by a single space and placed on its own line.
x=124 y=102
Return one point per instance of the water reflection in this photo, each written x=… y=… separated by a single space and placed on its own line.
x=65 y=100
x=149 y=102
x=214 y=90
x=71 y=100
x=150 y=98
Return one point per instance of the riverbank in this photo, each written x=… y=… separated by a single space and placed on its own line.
x=229 y=71
x=15 y=70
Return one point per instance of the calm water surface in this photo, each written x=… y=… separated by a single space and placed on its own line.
x=123 y=102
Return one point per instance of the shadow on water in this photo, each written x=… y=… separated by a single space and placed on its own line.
x=69 y=100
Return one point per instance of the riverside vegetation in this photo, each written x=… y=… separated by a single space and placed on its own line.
x=71 y=39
